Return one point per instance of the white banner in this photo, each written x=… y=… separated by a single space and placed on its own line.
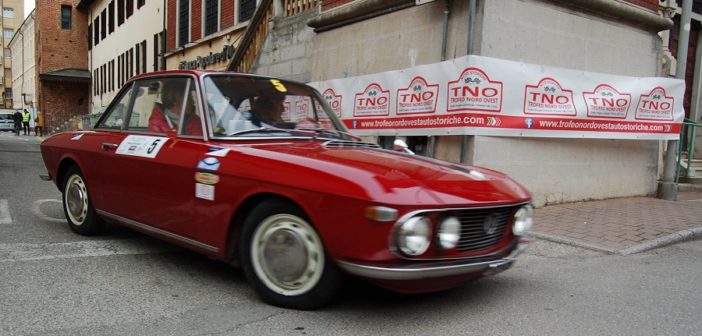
x=488 y=96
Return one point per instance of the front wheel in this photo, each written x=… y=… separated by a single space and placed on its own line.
x=284 y=258
x=77 y=206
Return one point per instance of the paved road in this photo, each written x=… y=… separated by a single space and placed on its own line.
x=53 y=282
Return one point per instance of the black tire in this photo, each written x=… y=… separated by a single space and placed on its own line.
x=77 y=206
x=297 y=273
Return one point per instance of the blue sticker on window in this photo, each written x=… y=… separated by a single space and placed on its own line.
x=209 y=164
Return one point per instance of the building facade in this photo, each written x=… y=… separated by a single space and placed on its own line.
x=24 y=66
x=204 y=34
x=125 y=38
x=12 y=18
x=61 y=50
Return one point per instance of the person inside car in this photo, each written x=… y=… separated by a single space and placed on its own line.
x=267 y=110
x=166 y=116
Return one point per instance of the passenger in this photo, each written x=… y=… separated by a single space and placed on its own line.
x=165 y=117
x=267 y=110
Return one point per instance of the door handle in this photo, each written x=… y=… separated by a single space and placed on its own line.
x=107 y=146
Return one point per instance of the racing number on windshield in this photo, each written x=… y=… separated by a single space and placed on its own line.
x=278 y=85
x=153 y=146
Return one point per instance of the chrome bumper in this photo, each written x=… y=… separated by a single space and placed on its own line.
x=433 y=270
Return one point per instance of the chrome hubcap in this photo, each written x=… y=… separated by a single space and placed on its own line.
x=287 y=254
x=76 y=198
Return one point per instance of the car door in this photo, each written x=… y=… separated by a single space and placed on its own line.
x=151 y=173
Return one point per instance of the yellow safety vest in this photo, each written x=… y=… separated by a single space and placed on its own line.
x=25 y=116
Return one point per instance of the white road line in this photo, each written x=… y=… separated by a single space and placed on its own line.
x=15 y=252
x=5 y=217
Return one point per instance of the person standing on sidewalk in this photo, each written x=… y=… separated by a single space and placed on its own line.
x=17 y=117
x=25 y=121
x=39 y=124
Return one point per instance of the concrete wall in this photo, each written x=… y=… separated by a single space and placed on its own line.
x=288 y=48
x=532 y=31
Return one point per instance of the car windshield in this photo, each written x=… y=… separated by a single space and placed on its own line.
x=246 y=106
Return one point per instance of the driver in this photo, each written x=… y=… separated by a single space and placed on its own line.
x=267 y=110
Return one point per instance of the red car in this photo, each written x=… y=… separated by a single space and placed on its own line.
x=260 y=172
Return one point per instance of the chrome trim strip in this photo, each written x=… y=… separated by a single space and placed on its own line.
x=428 y=271
x=129 y=222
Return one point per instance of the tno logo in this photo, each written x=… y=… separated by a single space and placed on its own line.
x=417 y=97
x=333 y=100
x=373 y=101
x=548 y=98
x=655 y=106
x=474 y=91
x=606 y=102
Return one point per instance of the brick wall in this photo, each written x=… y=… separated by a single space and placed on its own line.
x=227 y=15
x=57 y=48
x=60 y=101
x=195 y=20
x=171 y=24
x=648 y=4
x=329 y=4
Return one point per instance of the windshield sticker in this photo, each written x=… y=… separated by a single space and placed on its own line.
x=209 y=164
x=141 y=145
x=206 y=178
x=278 y=85
x=220 y=153
x=204 y=191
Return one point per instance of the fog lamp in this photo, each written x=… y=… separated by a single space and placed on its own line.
x=449 y=232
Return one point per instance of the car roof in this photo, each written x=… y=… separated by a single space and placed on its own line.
x=199 y=73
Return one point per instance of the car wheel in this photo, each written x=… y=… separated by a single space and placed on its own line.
x=77 y=206
x=284 y=258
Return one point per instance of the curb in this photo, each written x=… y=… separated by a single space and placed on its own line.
x=673 y=238
x=670 y=239
x=572 y=242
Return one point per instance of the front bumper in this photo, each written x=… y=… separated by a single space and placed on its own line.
x=435 y=270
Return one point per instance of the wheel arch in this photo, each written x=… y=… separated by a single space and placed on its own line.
x=63 y=167
x=243 y=210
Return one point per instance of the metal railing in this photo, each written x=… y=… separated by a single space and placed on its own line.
x=253 y=39
x=686 y=144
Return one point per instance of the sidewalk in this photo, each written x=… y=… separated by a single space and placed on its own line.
x=622 y=225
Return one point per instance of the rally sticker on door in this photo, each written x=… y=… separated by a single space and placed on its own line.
x=141 y=145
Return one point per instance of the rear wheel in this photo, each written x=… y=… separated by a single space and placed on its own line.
x=77 y=206
x=284 y=258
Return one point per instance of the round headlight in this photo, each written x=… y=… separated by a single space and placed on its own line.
x=523 y=219
x=449 y=232
x=413 y=236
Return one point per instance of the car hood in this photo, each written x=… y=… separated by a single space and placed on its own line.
x=377 y=174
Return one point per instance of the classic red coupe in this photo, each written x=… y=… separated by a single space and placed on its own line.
x=259 y=172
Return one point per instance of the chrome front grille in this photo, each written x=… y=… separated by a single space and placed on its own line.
x=483 y=228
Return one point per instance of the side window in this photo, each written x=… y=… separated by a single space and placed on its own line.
x=116 y=116
x=148 y=93
x=158 y=107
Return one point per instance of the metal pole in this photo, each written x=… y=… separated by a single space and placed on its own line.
x=667 y=189
x=471 y=30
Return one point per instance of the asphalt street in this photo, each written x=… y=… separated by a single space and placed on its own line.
x=54 y=282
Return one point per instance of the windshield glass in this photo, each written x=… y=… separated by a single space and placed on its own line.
x=245 y=106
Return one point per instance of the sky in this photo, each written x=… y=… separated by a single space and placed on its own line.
x=28 y=7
